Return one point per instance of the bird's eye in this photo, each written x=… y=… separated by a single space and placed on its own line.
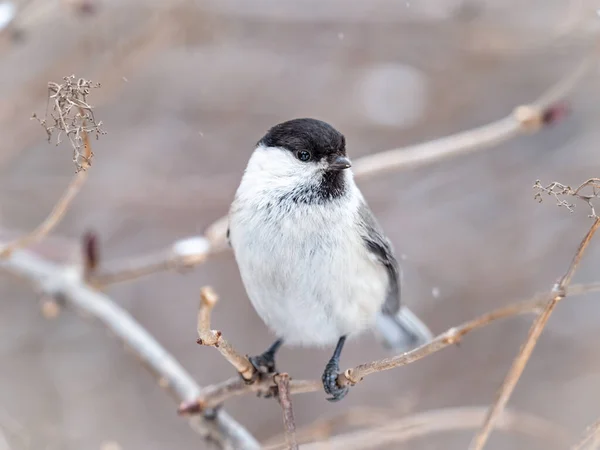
x=303 y=155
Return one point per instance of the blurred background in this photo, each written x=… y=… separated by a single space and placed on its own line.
x=188 y=88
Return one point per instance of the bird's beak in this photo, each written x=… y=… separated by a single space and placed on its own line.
x=340 y=163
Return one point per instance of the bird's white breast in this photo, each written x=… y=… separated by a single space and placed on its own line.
x=304 y=266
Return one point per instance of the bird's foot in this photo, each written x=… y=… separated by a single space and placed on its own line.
x=330 y=384
x=264 y=364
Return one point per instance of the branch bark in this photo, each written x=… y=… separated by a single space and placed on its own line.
x=212 y=338
x=66 y=285
x=512 y=377
x=285 y=400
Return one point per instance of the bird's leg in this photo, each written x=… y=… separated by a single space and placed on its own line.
x=265 y=363
x=331 y=373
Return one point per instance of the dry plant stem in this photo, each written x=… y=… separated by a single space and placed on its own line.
x=452 y=419
x=212 y=338
x=61 y=206
x=214 y=395
x=559 y=191
x=285 y=400
x=223 y=431
x=524 y=119
x=53 y=218
x=591 y=440
x=513 y=375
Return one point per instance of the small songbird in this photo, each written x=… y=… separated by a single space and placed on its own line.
x=313 y=259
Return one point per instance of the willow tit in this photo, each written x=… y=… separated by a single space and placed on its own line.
x=313 y=259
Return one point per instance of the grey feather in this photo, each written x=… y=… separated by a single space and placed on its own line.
x=398 y=328
x=381 y=248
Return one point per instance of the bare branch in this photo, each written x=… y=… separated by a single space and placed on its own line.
x=285 y=400
x=215 y=395
x=185 y=253
x=451 y=419
x=531 y=118
x=513 y=375
x=212 y=338
x=67 y=285
x=591 y=439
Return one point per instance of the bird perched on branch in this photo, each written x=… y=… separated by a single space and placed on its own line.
x=313 y=259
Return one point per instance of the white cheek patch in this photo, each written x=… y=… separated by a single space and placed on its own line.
x=280 y=166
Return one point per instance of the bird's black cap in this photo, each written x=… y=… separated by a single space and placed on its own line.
x=315 y=136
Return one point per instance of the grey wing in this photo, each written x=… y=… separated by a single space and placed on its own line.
x=381 y=248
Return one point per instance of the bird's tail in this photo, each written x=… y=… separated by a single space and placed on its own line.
x=402 y=332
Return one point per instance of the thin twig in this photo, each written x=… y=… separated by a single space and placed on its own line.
x=179 y=256
x=53 y=218
x=524 y=119
x=63 y=204
x=510 y=381
x=591 y=439
x=68 y=286
x=436 y=421
x=212 y=338
x=285 y=400
x=214 y=395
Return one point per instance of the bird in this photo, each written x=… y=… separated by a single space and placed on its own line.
x=314 y=261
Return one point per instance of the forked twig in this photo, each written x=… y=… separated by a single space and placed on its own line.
x=212 y=338
x=510 y=381
x=559 y=191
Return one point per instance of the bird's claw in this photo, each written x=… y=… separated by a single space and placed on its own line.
x=263 y=364
x=330 y=384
